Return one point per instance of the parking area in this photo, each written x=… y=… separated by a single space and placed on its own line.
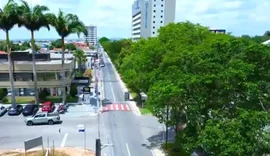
x=13 y=129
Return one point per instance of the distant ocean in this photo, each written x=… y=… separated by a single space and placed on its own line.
x=53 y=39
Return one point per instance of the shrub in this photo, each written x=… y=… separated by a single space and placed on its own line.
x=43 y=94
x=3 y=93
x=73 y=90
x=4 y=99
x=88 y=73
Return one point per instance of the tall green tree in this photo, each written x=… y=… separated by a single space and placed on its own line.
x=64 y=26
x=103 y=39
x=33 y=19
x=205 y=79
x=8 y=19
x=80 y=57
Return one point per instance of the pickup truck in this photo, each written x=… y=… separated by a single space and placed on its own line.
x=43 y=118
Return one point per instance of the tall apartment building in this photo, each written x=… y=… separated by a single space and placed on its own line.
x=149 y=15
x=92 y=35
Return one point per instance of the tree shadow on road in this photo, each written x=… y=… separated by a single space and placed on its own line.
x=158 y=139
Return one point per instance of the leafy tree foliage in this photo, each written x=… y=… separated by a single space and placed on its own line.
x=58 y=44
x=215 y=84
x=258 y=38
x=103 y=39
x=80 y=57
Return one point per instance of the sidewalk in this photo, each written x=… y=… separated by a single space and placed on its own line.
x=157 y=152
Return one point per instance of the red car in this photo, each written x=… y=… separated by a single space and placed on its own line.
x=48 y=106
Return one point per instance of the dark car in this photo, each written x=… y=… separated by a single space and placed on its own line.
x=3 y=110
x=30 y=109
x=16 y=110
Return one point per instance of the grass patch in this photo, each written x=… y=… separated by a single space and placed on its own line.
x=173 y=150
x=145 y=111
x=58 y=99
x=30 y=99
x=21 y=99
x=134 y=95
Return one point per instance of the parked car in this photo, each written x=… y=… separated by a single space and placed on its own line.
x=16 y=110
x=43 y=118
x=48 y=106
x=30 y=109
x=3 y=110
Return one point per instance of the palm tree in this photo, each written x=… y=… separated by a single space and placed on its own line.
x=80 y=58
x=8 y=19
x=33 y=19
x=64 y=26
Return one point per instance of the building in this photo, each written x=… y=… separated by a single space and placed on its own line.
x=149 y=15
x=92 y=35
x=218 y=31
x=48 y=72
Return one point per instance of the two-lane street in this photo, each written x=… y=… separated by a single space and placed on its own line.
x=123 y=127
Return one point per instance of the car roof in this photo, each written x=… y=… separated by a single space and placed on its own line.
x=47 y=103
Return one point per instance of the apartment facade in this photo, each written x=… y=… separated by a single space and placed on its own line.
x=92 y=35
x=149 y=15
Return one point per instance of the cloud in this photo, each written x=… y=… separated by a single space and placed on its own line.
x=113 y=17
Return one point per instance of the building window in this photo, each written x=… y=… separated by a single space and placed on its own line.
x=153 y=32
x=161 y=10
x=154 y=27
x=154 y=16
x=154 y=21
x=154 y=10
x=161 y=16
x=161 y=21
x=161 y=5
x=154 y=5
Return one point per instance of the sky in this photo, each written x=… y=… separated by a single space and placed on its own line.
x=113 y=17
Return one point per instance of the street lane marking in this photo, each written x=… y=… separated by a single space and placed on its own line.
x=116 y=107
x=127 y=107
x=111 y=107
x=128 y=150
x=64 y=140
x=122 y=107
x=111 y=84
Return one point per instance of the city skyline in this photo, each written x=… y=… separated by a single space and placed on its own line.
x=113 y=20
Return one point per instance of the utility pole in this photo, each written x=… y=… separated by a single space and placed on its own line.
x=98 y=147
x=98 y=142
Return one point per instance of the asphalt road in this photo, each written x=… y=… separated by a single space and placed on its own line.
x=128 y=133
x=14 y=131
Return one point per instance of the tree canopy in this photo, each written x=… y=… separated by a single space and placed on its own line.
x=103 y=39
x=215 y=84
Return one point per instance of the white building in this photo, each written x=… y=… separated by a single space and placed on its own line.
x=92 y=35
x=149 y=15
